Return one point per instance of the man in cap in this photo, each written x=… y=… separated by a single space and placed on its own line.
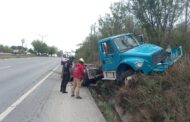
x=78 y=73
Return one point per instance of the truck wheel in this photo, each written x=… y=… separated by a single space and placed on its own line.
x=123 y=77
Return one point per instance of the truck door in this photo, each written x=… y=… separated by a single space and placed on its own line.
x=110 y=57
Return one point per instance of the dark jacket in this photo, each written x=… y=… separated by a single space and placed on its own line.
x=66 y=70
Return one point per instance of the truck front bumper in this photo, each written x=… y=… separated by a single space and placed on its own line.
x=174 y=55
x=161 y=67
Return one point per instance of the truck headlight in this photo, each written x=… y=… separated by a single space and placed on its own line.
x=139 y=64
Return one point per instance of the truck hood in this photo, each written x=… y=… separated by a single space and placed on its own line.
x=143 y=50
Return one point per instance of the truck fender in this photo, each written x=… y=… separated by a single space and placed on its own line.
x=130 y=62
x=126 y=69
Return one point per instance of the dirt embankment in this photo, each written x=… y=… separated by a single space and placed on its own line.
x=155 y=98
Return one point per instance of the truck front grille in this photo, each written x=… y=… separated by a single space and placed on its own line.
x=158 y=57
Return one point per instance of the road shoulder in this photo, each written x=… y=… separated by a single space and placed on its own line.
x=63 y=108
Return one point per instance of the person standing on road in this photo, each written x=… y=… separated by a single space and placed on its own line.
x=78 y=73
x=65 y=75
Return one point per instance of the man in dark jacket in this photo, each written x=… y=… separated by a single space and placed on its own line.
x=65 y=75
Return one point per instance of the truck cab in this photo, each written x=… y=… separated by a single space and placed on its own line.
x=123 y=55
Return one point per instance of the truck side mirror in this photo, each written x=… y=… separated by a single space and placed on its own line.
x=141 y=39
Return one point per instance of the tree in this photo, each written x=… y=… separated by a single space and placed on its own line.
x=119 y=21
x=123 y=20
x=59 y=53
x=157 y=17
x=89 y=49
x=52 y=50
x=18 y=48
x=5 y=49
x=31 y=51
x=40 y=47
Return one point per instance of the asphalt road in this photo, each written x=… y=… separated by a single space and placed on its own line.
x=17 y=76
x=29 y=92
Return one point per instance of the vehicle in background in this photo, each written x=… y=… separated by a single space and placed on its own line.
x=64 y=59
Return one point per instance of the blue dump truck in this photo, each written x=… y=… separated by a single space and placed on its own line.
x=123 y=55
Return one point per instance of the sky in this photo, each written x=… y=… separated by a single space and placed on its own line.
x=61 y=23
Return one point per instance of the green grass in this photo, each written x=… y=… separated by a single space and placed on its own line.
x=108 y=111
x=105 y=106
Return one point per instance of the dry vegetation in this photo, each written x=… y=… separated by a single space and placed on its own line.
x=159 y=98
x=155 y=98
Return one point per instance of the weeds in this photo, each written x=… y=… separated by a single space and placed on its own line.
x=155 y=98
x=159 y=98
x=103 y=95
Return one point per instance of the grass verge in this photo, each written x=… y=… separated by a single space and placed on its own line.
x=105 y=104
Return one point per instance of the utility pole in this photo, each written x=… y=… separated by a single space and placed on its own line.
x=42 y=36
x=22 y=41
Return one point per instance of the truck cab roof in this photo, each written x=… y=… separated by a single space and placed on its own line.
x=113 y=37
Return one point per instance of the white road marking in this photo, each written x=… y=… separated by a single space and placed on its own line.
x=5 y=67
x=15 y=104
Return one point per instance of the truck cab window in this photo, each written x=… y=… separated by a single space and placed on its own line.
x=107 y=48
x=126 y=42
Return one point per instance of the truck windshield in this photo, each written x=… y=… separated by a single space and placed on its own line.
x=126 y=42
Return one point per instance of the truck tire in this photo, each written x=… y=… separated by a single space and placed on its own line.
x=124 y=75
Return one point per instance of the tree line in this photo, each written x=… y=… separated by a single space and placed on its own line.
x=162 y=22
x=40 y=48
x=7 y=49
